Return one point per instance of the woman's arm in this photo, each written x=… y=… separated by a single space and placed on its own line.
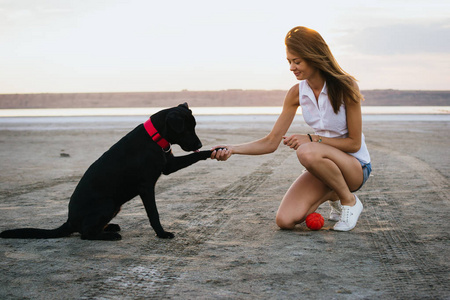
x=352 y=143
x=269 y=143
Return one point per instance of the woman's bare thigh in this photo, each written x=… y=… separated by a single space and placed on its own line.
x=349 y=166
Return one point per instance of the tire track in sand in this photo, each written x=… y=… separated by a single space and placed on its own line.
x=165 y=270
x=394 y=219
x=33 y=187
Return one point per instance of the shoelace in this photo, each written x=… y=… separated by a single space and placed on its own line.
x=345 y=214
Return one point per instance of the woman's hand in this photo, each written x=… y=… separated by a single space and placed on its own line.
x=294 y=141
x=221 y=153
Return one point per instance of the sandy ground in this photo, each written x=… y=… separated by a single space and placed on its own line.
x=227 y=245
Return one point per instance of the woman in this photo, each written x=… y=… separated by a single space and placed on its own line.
x=335 y=157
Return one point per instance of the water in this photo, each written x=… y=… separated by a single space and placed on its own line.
x=210 y=117
x=210 y=111
x=394 y=118
x=203 y=121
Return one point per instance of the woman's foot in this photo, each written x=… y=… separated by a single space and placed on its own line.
x=349 y=216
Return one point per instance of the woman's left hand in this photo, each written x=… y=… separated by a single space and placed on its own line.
x=294 y=141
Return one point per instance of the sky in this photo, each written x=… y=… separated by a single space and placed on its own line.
x=66 y=46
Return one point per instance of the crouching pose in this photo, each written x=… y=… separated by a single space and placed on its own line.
x=335 y=155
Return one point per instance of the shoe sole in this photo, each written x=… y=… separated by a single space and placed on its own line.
x=344 y=229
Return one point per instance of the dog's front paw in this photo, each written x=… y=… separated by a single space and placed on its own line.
x=165 y=235
x=205 y=154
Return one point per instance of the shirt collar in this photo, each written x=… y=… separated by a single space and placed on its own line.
x=310 y=92
x=324 y=89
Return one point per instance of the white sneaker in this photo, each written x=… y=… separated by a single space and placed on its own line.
x=336 y=209
x=349 y=216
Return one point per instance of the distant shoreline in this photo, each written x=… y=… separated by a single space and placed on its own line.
x=228 y=98
x=209 y=111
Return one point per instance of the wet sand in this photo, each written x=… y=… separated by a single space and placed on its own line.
x=227 y=245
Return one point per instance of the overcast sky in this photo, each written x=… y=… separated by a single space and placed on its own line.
x=145 y=45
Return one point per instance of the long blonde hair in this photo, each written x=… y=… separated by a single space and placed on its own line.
x=311 y=47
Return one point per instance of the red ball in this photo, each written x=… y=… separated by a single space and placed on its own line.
x=314 y=221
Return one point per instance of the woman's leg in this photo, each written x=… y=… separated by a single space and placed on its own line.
x=304 y=196
x=331 y=174
x=338 y=170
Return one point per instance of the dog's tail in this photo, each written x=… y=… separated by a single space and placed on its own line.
x=35 y=233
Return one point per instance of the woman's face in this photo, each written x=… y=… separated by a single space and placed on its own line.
x=301 y=69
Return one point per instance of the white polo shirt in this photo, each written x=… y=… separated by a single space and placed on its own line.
x=320 y=116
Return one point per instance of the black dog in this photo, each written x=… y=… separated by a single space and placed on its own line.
x=129 y=168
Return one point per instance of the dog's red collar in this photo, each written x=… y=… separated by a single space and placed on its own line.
x=154 y=134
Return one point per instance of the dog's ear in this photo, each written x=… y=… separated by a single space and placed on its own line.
x=185 y=105
x=175 y=121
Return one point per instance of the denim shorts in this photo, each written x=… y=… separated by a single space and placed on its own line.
x=367 y=169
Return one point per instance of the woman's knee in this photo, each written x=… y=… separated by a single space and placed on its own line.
x=285 y=221
x=307 y=154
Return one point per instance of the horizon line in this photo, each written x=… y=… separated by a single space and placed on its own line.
x=225 y=90
x=209 y=111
